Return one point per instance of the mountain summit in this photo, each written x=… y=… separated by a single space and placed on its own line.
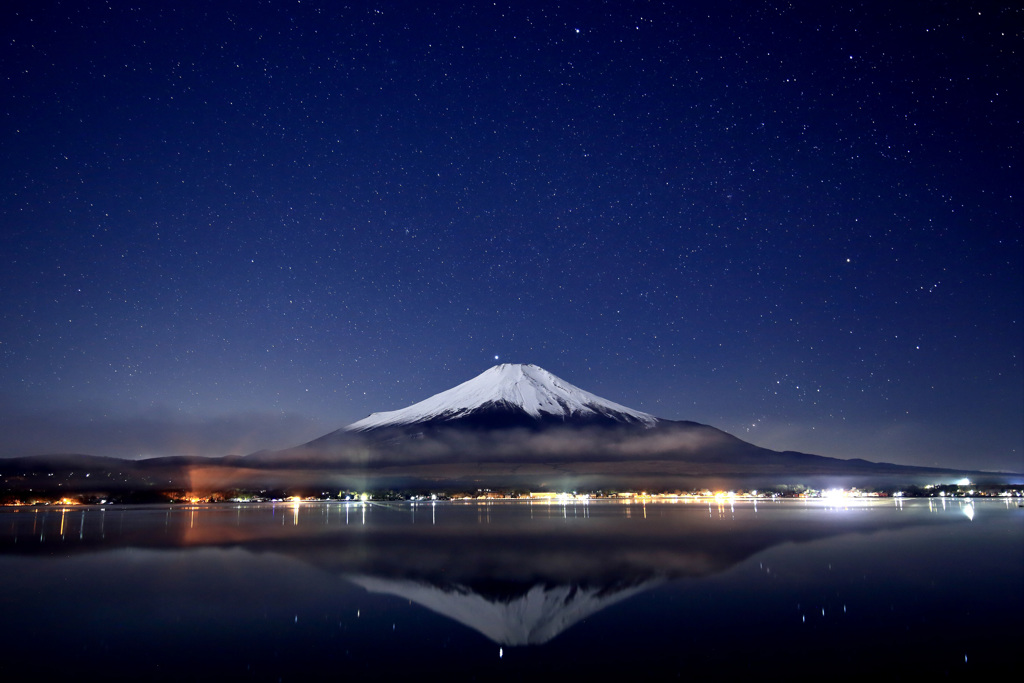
x=507 y=395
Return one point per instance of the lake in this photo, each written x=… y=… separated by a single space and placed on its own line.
x=507 y=589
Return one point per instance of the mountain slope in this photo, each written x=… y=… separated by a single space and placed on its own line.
x=522 y=423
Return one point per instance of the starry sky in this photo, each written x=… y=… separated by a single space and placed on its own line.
x=239 y=225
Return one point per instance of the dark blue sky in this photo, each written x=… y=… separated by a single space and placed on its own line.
x=232 y=226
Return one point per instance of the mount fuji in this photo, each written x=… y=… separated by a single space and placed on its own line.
x=518 y=424
x=513 y=426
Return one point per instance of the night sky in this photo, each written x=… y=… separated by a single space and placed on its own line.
x=239 y=225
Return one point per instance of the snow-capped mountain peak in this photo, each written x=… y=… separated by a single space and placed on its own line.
x=513 y=387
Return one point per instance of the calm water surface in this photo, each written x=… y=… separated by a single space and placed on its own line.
x=511 y=589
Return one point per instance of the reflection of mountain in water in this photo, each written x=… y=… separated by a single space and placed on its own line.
x=531 y=615
x=515 y=579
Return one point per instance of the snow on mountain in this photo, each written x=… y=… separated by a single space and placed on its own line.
x=515 y=387
x=533 y=618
